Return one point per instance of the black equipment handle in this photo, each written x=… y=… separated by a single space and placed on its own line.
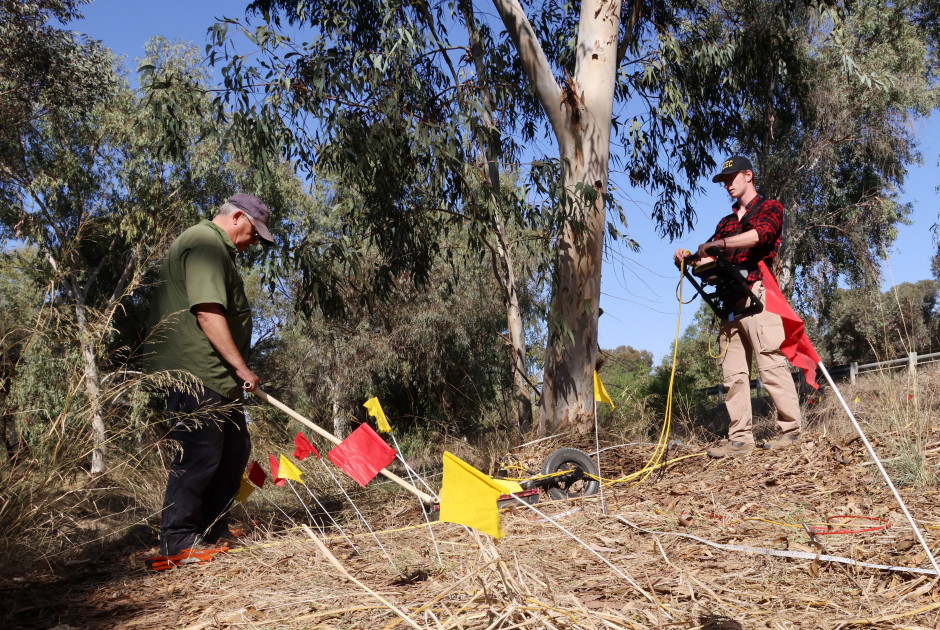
x=728 y=298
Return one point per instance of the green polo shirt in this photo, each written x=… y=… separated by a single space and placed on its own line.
x=199 y=269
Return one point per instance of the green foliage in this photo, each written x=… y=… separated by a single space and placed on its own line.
x=382 y=97
x=87 y=188
x=639 y=391
x=625 y=372
x=696 y=367
x=828 y=106
x=44 y=71
x=867 y=326
x=433 y=355
x=386 y=98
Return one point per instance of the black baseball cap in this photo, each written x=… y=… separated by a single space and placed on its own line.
x=734 y=164
x=255 y=208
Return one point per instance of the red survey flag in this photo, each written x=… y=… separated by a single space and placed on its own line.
x=362 y=455
x=256 y=474
x=796 y=346
x=303 y=447
x=275 y=468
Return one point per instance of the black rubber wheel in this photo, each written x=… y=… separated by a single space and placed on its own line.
x=571 y=459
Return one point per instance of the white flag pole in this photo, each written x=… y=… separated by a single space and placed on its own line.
x=332 y=520
x=597 y=455
x=279 y=509
x=306 y=509
x=884 y=473
x=361 y=517
x=424 y=511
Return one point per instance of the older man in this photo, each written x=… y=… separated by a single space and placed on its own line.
x=749 y=234
x=201 y=330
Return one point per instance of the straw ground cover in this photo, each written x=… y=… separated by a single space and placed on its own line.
x=538 y=576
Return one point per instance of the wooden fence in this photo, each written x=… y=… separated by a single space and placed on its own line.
x=850 y=371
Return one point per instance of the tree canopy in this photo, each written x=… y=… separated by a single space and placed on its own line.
x=828 y=116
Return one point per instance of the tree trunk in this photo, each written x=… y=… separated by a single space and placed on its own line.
x=785 y=263
x=93 y=389
x=784 y=269
x=580 y=115
x=516 y=335
x=504 y=271
x=339 y=423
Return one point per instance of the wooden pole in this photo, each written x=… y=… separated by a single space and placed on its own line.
x=274 y=402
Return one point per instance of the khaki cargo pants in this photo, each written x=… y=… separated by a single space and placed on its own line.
x=758 y=335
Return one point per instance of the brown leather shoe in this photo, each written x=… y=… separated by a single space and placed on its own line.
x=781 y=442
x=730 y=449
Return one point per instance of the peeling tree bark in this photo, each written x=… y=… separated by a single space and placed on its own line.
x=507 y=279
x=88 y=335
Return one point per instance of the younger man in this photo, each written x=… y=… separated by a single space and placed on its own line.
x=749 y=234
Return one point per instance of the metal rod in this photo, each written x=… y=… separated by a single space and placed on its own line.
x=411 y=476
x=597 y=456
x=363 y=518
x=881 y=468
x=333 y=520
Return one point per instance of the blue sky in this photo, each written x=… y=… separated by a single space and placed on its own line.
x=638 y=289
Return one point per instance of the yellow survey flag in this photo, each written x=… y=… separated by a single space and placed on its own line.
x=468 y=497
x=600 y=394
x=375 y=409
x=244 y=490
x=287 y=470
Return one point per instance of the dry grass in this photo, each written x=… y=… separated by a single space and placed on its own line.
x=538 y=576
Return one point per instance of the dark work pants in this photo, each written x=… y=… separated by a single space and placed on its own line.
x=206 y=472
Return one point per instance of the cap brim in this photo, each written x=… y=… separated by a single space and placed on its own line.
x=728 y=171
x=263 y=233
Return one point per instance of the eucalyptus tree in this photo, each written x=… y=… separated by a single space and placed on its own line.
x=866 y=325
x=429 y=353
x=44 y=70
x=20 y=307
x=51 y=170
x=389 y=97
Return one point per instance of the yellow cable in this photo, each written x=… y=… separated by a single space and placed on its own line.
x=727 y=343
x=661 y=445
x=659 y=465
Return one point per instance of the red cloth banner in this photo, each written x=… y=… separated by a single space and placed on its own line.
x=362 y=455
x=303 y=447
x=796 y=346
x=275 y=467
x=256 y=474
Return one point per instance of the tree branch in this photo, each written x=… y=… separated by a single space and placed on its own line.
x=635 y=14
x=533 y=60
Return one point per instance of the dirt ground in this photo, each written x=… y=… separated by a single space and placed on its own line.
x=630 y=568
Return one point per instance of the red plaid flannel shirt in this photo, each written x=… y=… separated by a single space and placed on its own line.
x=763 y=215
